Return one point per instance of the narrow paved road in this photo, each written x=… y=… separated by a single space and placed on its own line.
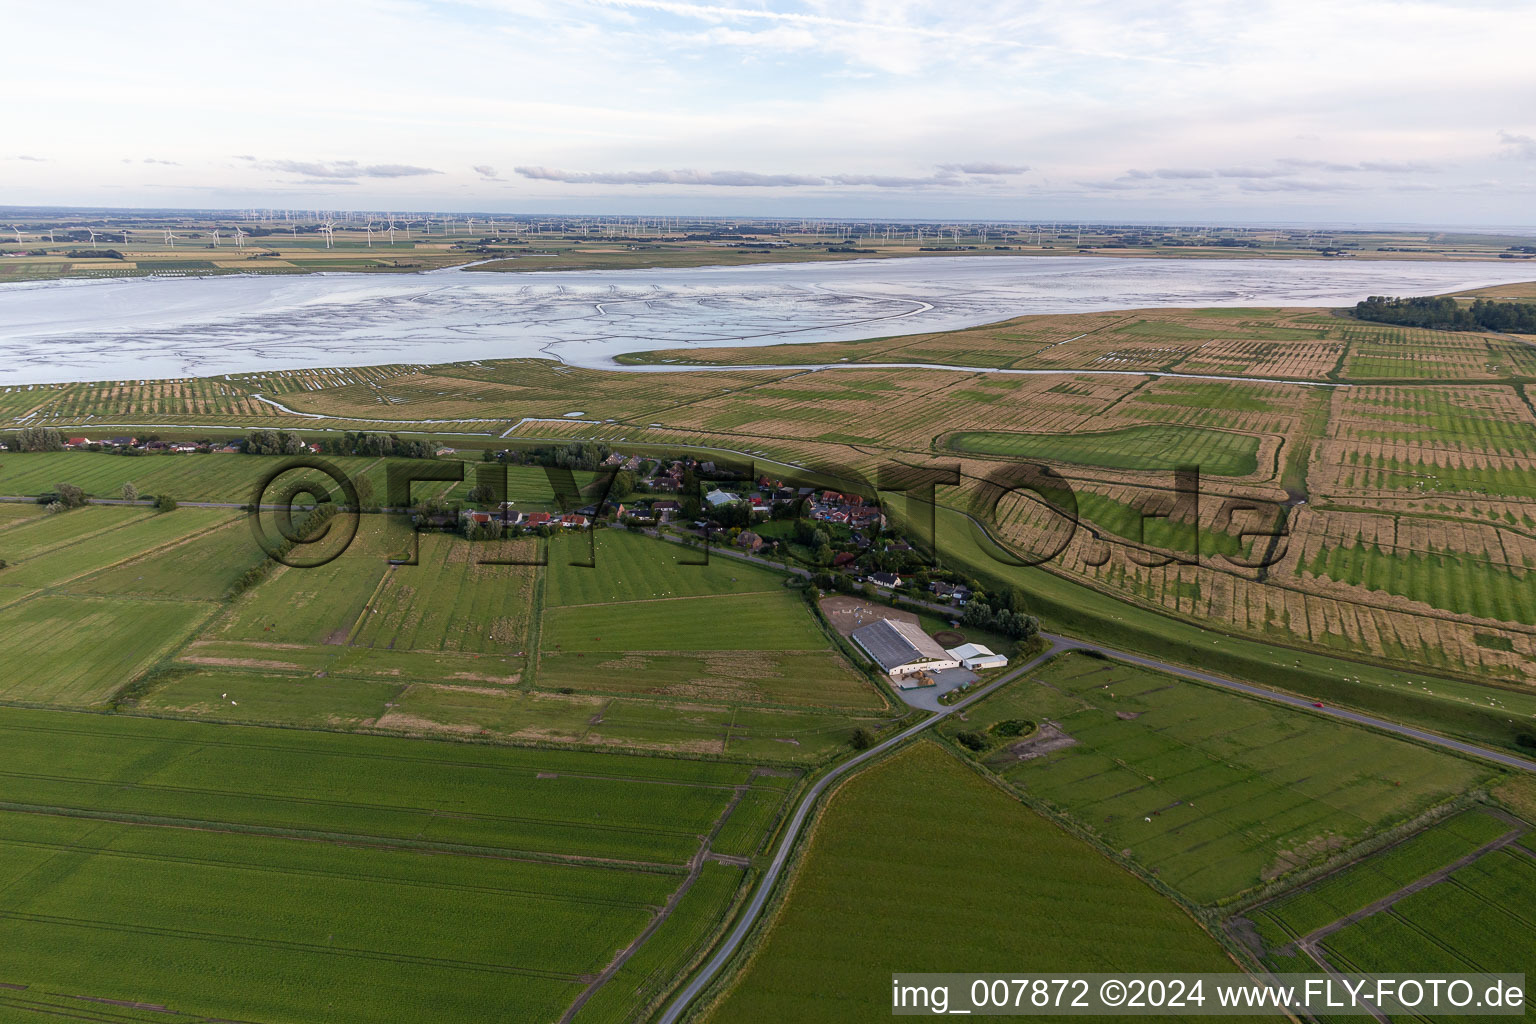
x=759 y=898
x=1057 y=644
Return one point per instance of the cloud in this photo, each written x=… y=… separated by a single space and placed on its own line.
x=678 y=177
x=1175 y=173
x=1520 y=146
x=30 y=159
x=168 y=163
x=892 y=181
x=1291 y=185
x=854 y=34
x=487 y=172
x=946 y=177
x=1250 y=172
x=340 y=169
x=1375 y=166
x=985 y=168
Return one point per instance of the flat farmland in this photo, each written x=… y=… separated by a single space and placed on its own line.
x=1343 y=893
x=78 y=651
x=451 y=602
x=14 y=513
x=315 y=605
x=487 y=799
x=186 y=477
x=1218 y=452
x=70 y=545
x=321 y=660
x=772 y=620
x=434 y=879
x=812 y=679
x=202 y=567
x=630 y=567
x=410 y=701
x=40 y=533
x=1460 y=895
x=1215 y=793
x=882 y=864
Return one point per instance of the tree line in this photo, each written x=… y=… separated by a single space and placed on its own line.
x=1446 y=314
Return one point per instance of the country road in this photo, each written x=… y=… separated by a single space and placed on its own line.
x=759 y=898
x=1057 y=644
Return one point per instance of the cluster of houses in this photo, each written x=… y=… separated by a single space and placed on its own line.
x=506 y=515
x=157 y=446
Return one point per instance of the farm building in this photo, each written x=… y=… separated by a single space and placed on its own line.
x=901 y=648
x=976 y=657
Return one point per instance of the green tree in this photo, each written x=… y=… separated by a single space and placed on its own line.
x=70 y=496
x=40 y=439
x=165 y=503
x=130 y=492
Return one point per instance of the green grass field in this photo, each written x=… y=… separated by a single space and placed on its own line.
x=77 y=651
x=448 y=601
x=184 y=477
x=814 y=679
x=1378 y=876
x=159 y=864
x=630 y=567
x=917 y=864
x=64 y=548
x=1217 y=452
x=1478 y=917
x=1215 y=793
x=772 y=620
x=204 y=567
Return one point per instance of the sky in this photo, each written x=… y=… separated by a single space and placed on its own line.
x=1184 y=111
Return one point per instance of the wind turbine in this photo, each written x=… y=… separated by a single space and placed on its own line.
x=215 y=236
x=92 y=234
x=391 y=232
x=18 y=233
x=50 y=236
x=369 y=228
x=239 y=237
x=170 y=238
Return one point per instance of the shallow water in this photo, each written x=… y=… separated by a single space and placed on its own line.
x=142 y=328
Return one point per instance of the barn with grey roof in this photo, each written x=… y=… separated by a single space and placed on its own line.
x=901 y=648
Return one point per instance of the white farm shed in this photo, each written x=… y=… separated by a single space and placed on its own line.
x=976 y=657
x=901 y=648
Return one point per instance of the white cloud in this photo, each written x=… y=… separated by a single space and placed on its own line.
x=340 y=169
x=1522 y=146
x=922 y=107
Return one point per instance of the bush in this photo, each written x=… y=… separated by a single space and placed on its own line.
x=1525 y=739
x=862 y=738
x=165 y=503
x=70 y=496
x=1014 y=727
x=972 y=740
